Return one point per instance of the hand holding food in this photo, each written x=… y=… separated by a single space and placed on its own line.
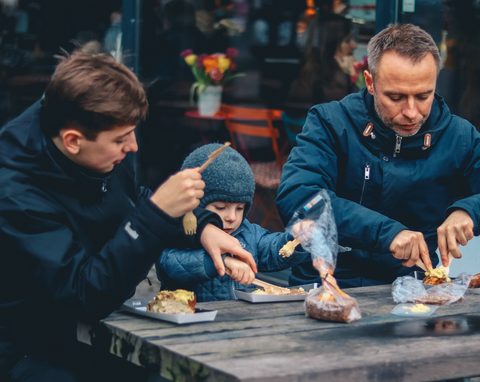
x=239 y=271
x=216 y=243
x=410 y=246
x=288 y=249
x=180 y=193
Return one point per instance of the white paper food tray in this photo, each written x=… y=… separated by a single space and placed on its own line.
x=139 y=307
x=247 y=295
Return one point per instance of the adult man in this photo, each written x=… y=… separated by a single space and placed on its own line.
x=402 y=172
x=73 y=225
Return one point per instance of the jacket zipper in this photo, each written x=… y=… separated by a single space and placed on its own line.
x=365 y=178
x=398 y=143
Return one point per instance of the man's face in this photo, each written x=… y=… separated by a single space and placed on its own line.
x=230 y=213
x=403 y=92
x=109 y=149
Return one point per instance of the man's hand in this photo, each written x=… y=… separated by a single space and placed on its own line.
x=410 y=246
x=180 y=193
x=216 y=243
x=457 y=229
x=239 y=271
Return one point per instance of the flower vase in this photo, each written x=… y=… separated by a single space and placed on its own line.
x=210 y=100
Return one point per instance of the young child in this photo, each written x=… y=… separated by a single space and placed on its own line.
x=229 y=189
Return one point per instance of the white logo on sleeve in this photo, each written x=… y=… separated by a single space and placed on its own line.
x=131 y=231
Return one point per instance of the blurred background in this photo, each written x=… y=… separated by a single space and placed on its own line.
x=279 y=43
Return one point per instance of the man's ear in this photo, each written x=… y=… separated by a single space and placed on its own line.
x=71 y=139
x=368 y=81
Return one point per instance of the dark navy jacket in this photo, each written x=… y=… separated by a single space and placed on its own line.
x=193 y=269
x=74 y=244
x=380 y=184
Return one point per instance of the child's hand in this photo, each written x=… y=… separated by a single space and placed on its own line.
x=216 y=243
x=239 y=271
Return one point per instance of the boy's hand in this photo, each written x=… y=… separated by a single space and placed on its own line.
x=216 y=243
x=180 y=193
x=239 y=271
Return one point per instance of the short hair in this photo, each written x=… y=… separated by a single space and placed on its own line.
x=407 y=40
x=92 y=93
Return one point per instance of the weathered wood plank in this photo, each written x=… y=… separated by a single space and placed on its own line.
x=277 y=342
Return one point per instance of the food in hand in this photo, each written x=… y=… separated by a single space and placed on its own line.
x=288 y=249
x=179 y=301
x=475 y=282
x=436 y=276
x=280 y=291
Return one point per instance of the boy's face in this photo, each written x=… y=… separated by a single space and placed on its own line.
x=231 y=214
x=109 y=149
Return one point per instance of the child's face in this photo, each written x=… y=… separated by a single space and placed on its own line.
x=231 y=214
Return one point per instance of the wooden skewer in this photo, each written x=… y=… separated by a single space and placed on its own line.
x=420 y=264
x=265 y=285
x=212 y=156
x=189 y=219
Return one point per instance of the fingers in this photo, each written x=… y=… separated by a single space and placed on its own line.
x=456 y=230
x=239 y=271
x=246 y=257
x=180 y=193
x=414 y=255
x=218 y=263
x=410 y=246
x=425 y=255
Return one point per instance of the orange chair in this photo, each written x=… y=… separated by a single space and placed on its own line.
x=241 y=121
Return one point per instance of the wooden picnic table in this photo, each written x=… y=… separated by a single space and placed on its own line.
x=277 y=342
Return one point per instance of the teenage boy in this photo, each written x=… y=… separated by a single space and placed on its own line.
x=77 y=233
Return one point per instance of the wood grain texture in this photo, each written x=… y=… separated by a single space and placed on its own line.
x=277 y=342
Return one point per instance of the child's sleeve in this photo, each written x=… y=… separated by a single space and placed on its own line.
x=185 y=266
x=268 y=247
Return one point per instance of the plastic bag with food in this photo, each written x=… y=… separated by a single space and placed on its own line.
x=330 y=303
x=313 y=226
x=408 y=289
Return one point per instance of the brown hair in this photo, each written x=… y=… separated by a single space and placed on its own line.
x=92 y=93
x=407 y=40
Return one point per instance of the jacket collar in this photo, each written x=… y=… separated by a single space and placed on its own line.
x=383 y=139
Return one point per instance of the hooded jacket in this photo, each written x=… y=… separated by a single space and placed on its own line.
x=75 y=244
x=193 y=269
x=380 y=183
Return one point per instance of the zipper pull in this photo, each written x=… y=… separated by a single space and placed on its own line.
x=367 y=171
x=104 y=186
x=398 y=143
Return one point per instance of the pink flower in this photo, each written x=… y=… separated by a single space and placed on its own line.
x=232 y=66
x=359 y=66
x=216 y=74
x=200 y=59
x=231 y=53
x=186 y=53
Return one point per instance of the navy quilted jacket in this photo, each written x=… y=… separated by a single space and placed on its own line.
x=193 y=269
x=380 y=184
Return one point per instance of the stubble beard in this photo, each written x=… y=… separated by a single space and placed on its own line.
x=389 y=122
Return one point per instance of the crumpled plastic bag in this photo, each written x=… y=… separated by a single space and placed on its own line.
x=408 y=289
x=314 y=224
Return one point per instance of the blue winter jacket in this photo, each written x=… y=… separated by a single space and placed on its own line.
x=380 y=183
x=75 y=244
x=193 y=269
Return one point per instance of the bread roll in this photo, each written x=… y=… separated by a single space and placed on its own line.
x=179 y=301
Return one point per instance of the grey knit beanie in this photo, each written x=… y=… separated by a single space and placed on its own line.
x=228 y=178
